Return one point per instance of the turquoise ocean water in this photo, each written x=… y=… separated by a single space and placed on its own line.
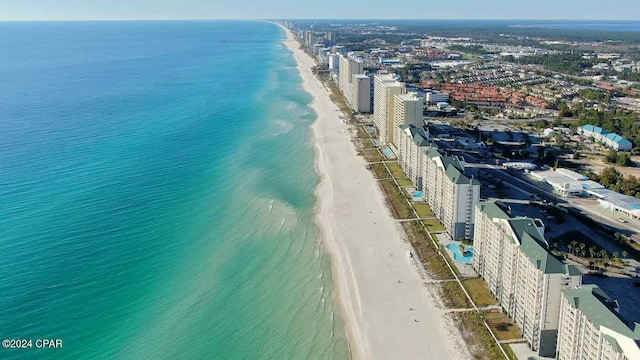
x=156 y=194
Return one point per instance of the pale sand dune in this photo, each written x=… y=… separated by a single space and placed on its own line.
x=376 y=281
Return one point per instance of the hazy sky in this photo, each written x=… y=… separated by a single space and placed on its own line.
x=331 y=9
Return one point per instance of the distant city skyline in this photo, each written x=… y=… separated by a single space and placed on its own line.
x=328 y=9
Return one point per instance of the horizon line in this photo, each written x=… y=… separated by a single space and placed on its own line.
x=310 y=19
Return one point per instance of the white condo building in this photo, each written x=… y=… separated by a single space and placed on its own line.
x=592 y=329
x=361 y=93
x=512 y=256
x=347 y=69
x=407 y=109
x=450 y=193
x=385 y=87
x=413 y=141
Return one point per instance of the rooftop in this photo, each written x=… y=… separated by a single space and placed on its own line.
x=598 y=308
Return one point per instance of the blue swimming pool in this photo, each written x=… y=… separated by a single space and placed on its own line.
x=458 y=256
x=418 y=194
x=388 y=153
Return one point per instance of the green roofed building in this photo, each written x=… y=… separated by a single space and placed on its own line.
x=512 y=256
x=451 y=194
x=591 y=328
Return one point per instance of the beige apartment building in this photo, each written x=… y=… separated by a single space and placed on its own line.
x=407 y=109
x=385 y=87
x=512 y=256
x=347 y=69
x=592 y=329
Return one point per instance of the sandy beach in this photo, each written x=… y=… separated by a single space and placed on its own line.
x=388 y=310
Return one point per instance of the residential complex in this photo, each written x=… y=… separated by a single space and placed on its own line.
x=412 y=143
x=512 y=256
x=449 y=192
x=407 y=109
x=612 y=140
x=361 y=93
x=591 y=328
x=385 y=87
x=347 y=69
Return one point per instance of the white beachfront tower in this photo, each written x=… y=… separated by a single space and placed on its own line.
x=512 y=256
x=347 y=69
x=592 y=328
x=385 y=87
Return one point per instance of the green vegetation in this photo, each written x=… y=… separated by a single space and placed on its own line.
x=379 y=171
x=479 y=292
x=368 y=143
x=475 y=334
x=452 y=295
x=598 y=95
x=423 y=210
x=614 y=157
x=502 y=326
x=396 y=170
x=434 y=225
x=362 y=134
x=619 y=121
x=426 y=251
x=404 y=182
x=613 y=180
x=568 y=63
x=470 y=49
x=371 y=155
x=397 y=200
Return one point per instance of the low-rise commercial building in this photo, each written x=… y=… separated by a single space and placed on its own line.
x=592 y=329
x=512 y=256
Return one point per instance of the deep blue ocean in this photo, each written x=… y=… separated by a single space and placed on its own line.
x=157 y=192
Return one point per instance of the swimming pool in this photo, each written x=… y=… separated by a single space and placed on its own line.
x=418 y=194
x=388 y=153
x=459 y=257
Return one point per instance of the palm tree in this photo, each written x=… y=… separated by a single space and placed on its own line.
x=604 y=254
x=574 y=245
x=616 y=256
x=583 y=252
x=570 y=247
x=592 y=252
x=625 y=254
x=582 y=246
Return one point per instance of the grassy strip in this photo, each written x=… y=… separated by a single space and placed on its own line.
x=452 y=295
x=479 y=292
x=397 y=200
x=368 y=143
x=423 y=210
x=363 y=134
x=396 y=170
x=434 y=225
x=477 y=337
x=426 y=252
x=503 y=326
x=371 y=155
x=379 y=171
x=404 y=182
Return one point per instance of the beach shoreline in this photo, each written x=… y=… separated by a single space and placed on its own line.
x=379 y=289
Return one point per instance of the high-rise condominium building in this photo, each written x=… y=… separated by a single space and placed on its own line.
x=385 y=87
